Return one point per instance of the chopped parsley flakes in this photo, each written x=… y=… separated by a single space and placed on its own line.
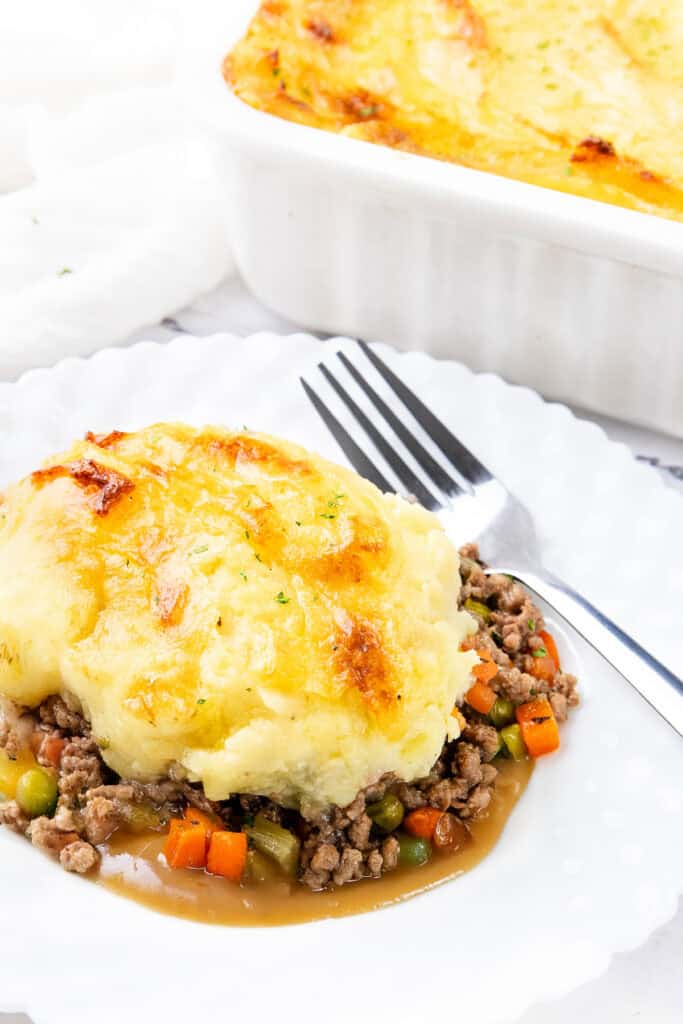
x=540 y=652
x=200 y=550
x=281 y=599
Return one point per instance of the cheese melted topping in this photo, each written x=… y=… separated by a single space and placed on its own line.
x=236 y=605
x=584 y=97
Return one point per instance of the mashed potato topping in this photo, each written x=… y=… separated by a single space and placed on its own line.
x=233 y=604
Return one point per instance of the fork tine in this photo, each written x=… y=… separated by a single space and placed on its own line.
x=410 y=481
x=431 y=467
x=356 y=456
x=467 y=464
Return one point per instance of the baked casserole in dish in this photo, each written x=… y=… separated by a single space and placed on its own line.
x=583 y=97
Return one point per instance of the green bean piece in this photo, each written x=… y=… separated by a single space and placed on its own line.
x=387 y=813
x=141 y=817
x=261 y=868
x=502 y=712
x=515 y=745
x=276 y=842
x=413 y=851
x=37 y=793
x=478 y=608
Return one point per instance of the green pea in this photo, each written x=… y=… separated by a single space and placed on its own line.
x=387 y=813
x=502 y=712
x=413 y=851
x=478 y=608
x=515 y=745
x=37 y=792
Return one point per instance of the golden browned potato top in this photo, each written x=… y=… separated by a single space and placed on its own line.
x=235 y=604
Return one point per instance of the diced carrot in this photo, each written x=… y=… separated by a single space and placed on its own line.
x=481 y=697
x=195 y=817
x=543 y=667
x=551 y=647
x=52 y=750
x=422 y=822
x=538 y=726
x=485 y=671
x=227 y=855
x=185 y=846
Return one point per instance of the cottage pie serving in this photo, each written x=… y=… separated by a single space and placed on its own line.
x=583 y=97
x=253 y=663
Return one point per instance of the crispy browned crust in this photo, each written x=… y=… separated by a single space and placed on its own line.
x=360 y=658
x=105 y=486
x=242 y=450
x=472 y=26
x=170 y=600
x=591 y=149
x=597 y=151
x=105 y=440
x=322 y=30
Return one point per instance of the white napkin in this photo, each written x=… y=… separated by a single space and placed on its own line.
x=111 y=211
x=124 y=224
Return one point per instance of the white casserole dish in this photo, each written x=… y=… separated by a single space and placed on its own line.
x=578 y=299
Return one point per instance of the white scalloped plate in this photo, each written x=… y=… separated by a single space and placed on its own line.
x=590 y=862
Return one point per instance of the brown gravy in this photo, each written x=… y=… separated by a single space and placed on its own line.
x=132 y=867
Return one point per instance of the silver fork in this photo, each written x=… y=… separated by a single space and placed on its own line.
x=487 y=513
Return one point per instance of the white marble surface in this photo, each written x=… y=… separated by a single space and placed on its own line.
x=642 y=985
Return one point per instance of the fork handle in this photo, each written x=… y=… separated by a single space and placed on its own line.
x=655 y=682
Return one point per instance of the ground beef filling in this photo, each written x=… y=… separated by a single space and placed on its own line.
x=337 y=846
